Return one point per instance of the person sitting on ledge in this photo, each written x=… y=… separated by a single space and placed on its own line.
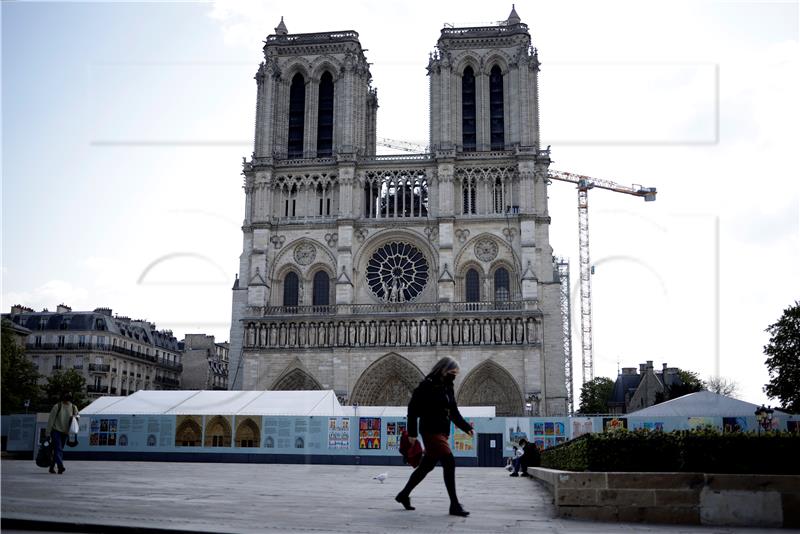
x=530 y=458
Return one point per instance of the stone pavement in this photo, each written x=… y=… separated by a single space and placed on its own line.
x=243 y=498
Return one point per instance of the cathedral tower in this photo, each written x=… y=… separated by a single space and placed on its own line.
x=359 y=271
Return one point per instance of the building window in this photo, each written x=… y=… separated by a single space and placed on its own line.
x=58 y=362
x=468 y=110
x=61 y=340
x=468 y=192
x=37 y=341
x=497 y=124
x=101 y=341
x=81 y=341
x=297 y=108
x=501 y=284
x=473 y=286
x=321 y=289
x=291 y=286
x=325 y=117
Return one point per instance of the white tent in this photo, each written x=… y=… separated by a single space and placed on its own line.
x=222 y=402
x=699 y=404
x=402 y=411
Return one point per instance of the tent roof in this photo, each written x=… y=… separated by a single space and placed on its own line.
x=402 y=411
x=699 y=404
x=221 y=402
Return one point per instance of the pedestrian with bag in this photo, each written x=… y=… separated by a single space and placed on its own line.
x=59 y=424
x=434 y=404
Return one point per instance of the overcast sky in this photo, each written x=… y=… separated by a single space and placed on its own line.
x=124 y=126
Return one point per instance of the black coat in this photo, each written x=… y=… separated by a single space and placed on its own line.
x=531 y=456
x=434 y=403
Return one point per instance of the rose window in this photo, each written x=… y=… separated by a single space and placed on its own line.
x=397 y=272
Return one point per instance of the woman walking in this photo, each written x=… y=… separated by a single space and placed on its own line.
x=58 y=427
x=434 y=403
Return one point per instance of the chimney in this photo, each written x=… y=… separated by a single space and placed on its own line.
x=19 y=308
x=63 y=308
x=664 y=369
x=629 y=370
x=104 y=311
x=642 y=367
x=649 y=364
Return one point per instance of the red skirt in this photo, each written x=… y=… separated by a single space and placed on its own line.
x=437 y=446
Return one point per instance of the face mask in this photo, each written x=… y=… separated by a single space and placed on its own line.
x=449 y=379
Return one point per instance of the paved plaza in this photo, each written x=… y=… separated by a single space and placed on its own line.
x=243 y=498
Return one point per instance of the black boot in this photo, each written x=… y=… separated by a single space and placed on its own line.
x=456 y=509
x=405 y=500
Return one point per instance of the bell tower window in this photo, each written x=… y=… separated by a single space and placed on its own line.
x=497 y=124
x=325 y=117
x=468 y=110
x=297 y=107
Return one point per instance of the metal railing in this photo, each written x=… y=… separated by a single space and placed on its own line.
x=410 y=308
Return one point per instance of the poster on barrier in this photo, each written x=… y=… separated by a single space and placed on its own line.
x=369 y=433
x=338 y=433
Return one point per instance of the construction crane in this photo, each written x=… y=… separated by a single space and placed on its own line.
x=402 y=145
x=585 y=183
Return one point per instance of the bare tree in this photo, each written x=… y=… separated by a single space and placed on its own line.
x=723 y=386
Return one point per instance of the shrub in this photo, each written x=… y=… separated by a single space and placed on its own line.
x=705 y=451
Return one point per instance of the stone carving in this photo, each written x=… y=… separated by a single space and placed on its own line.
x=397 y=272
x=432 y=232
x=509 y=233
x=331 y=239
x=361 y=234
x=278 y=240
x=462 y=235
x=304 y=253
x=486 y=249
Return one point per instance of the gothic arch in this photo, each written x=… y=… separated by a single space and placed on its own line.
x=248 y=433
x=513 y=279
x=466 y=255
x=498 y=58
x=218 y=432
x=389 y=381
x=188 y=434
x=325 y=63
x=467 y=60
x=285 y=259
x=461 y=275
x=296 y=379
x=490 y=384
x=297 y=65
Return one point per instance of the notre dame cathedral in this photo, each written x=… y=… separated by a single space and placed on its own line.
x=359 y=271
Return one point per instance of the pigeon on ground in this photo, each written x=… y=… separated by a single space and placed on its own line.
x=381 y=477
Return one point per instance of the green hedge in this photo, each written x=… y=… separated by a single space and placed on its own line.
x=705 y=451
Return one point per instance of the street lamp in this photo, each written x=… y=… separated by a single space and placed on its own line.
x=764 y=418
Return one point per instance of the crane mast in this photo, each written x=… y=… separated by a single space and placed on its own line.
x=584 y=184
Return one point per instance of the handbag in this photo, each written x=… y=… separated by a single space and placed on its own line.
x=72 y=438
x=74 y=428
x=44 y=458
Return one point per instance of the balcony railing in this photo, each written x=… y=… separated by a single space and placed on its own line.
x=91 y=388
x=94 y=347
x=167 y=381
x=99 y=368
x=412 y=308
x=57 y=367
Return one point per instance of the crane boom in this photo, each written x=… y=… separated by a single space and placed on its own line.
x=585 y=183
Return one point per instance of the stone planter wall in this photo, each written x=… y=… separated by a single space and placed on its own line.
x=686 y=498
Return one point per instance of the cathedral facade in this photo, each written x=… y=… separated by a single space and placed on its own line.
x=359 y=271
